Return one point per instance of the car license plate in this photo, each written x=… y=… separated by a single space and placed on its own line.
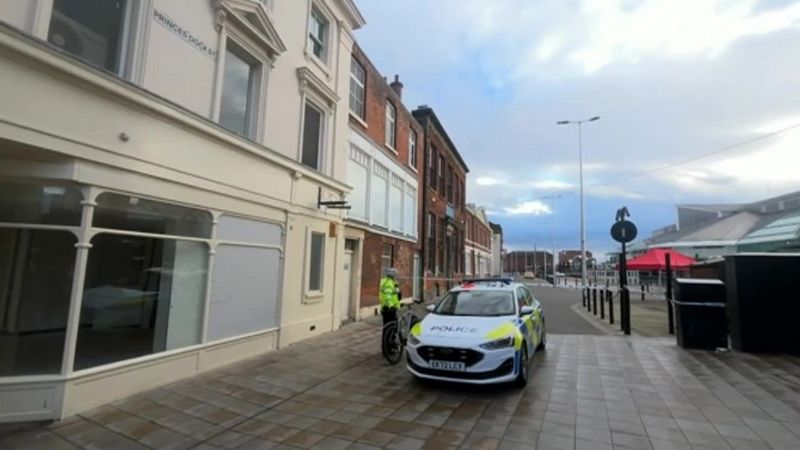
x=455 y=366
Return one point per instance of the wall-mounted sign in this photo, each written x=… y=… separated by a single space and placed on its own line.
x=184 y=34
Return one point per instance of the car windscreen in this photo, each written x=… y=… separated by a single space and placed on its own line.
x=476 y=303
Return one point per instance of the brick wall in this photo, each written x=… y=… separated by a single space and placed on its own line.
x=373 y=125
x=439 y=277
x=371 y=271
x=378 y=93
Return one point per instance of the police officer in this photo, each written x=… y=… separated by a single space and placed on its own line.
x=389 y=295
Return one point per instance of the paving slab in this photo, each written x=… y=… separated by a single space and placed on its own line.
x=336 y=392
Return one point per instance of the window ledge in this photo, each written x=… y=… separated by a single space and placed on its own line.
x=390 y=148
x=358 y=119
x=313 y=297
x=322 y=65
x=413 y=168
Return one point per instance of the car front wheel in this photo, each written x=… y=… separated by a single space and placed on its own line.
x=522 y=372
x=543 y=338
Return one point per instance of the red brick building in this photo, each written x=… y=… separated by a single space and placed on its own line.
x=477 y=243
x=384 y=169
x=443 y=207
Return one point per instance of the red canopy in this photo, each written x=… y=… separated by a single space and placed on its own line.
x=656 y=259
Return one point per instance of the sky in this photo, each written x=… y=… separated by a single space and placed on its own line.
x=699 y=103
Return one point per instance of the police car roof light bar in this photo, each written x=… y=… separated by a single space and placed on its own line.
x=487 y=280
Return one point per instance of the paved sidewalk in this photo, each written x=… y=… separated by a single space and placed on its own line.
x=335 y=392
x=648 y=318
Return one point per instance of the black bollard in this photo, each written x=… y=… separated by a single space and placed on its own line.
x=602 y=304
x=594 y=301
x=642 y=291
x=670 y=312
x=583 y=297
x=610 y=297
x=626 y=299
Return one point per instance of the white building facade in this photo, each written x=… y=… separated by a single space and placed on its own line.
x=477 y=243
x=162 y=165
x=496 y=249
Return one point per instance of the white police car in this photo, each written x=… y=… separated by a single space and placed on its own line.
x=483 y=331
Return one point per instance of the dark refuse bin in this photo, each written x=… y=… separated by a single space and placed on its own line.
x=764 y=302
x=700 y=316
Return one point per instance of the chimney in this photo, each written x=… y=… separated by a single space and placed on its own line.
x=397 y=86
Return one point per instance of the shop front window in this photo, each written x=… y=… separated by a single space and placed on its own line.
x=36 y=272
x=35 y=283
x=124 y=212
x=142 y=295
x=39 y=204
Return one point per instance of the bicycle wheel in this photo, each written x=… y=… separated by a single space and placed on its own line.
x=390 y=343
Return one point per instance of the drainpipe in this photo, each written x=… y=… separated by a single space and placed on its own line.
x=424 y=209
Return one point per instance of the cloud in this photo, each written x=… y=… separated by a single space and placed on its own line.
x=489 y=181
x=552 y=185
x=535 y=208
x=671 y=79
x=608 y=191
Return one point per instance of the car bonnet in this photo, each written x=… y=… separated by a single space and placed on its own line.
x=466 y=327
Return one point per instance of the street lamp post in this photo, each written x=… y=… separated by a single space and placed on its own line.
x=580 y=169
x=552 y=198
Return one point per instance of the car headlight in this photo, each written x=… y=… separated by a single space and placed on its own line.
x=505 y=342
x=413 y=340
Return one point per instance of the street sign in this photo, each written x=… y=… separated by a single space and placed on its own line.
x=623 y=231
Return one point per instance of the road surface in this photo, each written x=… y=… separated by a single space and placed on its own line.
x=560 y=317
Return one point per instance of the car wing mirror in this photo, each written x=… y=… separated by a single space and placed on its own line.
x=526 y=310
x=430 y=308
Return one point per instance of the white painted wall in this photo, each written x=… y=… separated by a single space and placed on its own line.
x=170 y=155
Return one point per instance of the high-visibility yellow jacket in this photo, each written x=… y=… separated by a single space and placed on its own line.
x=389 y=293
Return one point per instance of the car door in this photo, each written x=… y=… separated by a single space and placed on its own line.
x=536 y=318
x=527 y=326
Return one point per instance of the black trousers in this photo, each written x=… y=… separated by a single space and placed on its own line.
x=389 y=315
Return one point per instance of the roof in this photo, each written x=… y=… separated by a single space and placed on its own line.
x=722 y=207
x=656 y=258
x=496 y=228
x=726 y=229
x=425 y=113
x=785 y=228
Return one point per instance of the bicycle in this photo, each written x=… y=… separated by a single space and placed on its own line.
x=395 y=334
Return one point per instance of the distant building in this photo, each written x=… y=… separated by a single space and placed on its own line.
x=707 y=231
x=497 y=249
x=443 y=206
x=384 y=168
x=572 y=257
x=522 y=261
x=477 y=243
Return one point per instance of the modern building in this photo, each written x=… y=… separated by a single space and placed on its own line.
x=497 y=249
x=384 y=167
x=443 y=207
x=534 y=261
x=569 y=261
x=477 y=243
x=165 y=166
x=710 y=231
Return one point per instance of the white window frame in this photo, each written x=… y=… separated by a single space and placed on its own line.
x=258 y=81
x=317 y=10
x=381 y=171
x=391 y=126
x=314 y=296
x=412 y=144
x=229 y=30
x=133 y=36
x=323 y=138
x=360 y=83
x=313 y=89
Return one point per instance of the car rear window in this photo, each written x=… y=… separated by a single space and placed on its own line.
x=476 y=303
